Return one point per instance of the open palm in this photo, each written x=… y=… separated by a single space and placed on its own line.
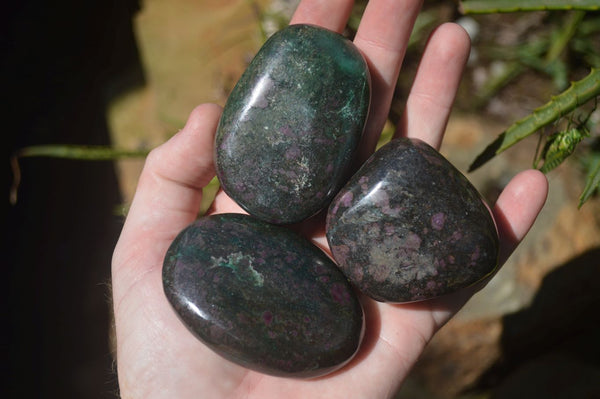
x=157 y=357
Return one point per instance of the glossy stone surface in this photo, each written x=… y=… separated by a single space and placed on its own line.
x=262 y=296
x=292 y=123
x=409 y=226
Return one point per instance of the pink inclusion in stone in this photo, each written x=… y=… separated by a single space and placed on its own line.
x=437 y=221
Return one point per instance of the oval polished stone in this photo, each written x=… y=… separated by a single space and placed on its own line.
x=262 y=296
x=409 y=226
x=292 y=123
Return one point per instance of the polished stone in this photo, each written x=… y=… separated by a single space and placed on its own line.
x=409 y=226
x=262 y=296
x=292 y=123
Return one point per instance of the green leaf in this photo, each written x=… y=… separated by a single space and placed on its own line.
x=577 y=94
x=496 y=6
x=592 y=181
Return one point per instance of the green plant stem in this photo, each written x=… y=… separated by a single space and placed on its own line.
x=589 y=26
x=424 y=20
x=577 y=94
x=516 y=58
x=592 y=181
x=558 y=45
x=532 y=55
x=511 y=71
x=497 y=6
x=87 y=153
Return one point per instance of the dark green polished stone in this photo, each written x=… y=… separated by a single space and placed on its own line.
x=262 y=296
x=409 y=226
x=292 y=124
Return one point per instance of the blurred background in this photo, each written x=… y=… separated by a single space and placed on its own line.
x=127 y=73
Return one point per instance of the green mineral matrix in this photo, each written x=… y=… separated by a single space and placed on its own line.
x=291 y=126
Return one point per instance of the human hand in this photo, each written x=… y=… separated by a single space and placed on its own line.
x=158 y=357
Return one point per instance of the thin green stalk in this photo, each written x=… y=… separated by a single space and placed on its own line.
x=84 y=153
x=496 y=6
x=510 y=72
x=87 y=153
x=532 y=55
x=592 y=181
x=564 y=36
x=531 y=49
x=589 y=26
x=577 y=94
x=424 y=20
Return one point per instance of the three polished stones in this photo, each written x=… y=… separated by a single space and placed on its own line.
x=407 y=226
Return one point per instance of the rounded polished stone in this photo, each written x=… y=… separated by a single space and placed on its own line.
x=262 y=296
x=409 y=226
x=292 y=123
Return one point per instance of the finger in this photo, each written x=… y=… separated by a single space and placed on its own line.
x=436 y=83
x=382 y=37
x=517 y=208
x=330 y=14
x=167 y=197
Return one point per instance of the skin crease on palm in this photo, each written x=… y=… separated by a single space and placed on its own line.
x=156 y=355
